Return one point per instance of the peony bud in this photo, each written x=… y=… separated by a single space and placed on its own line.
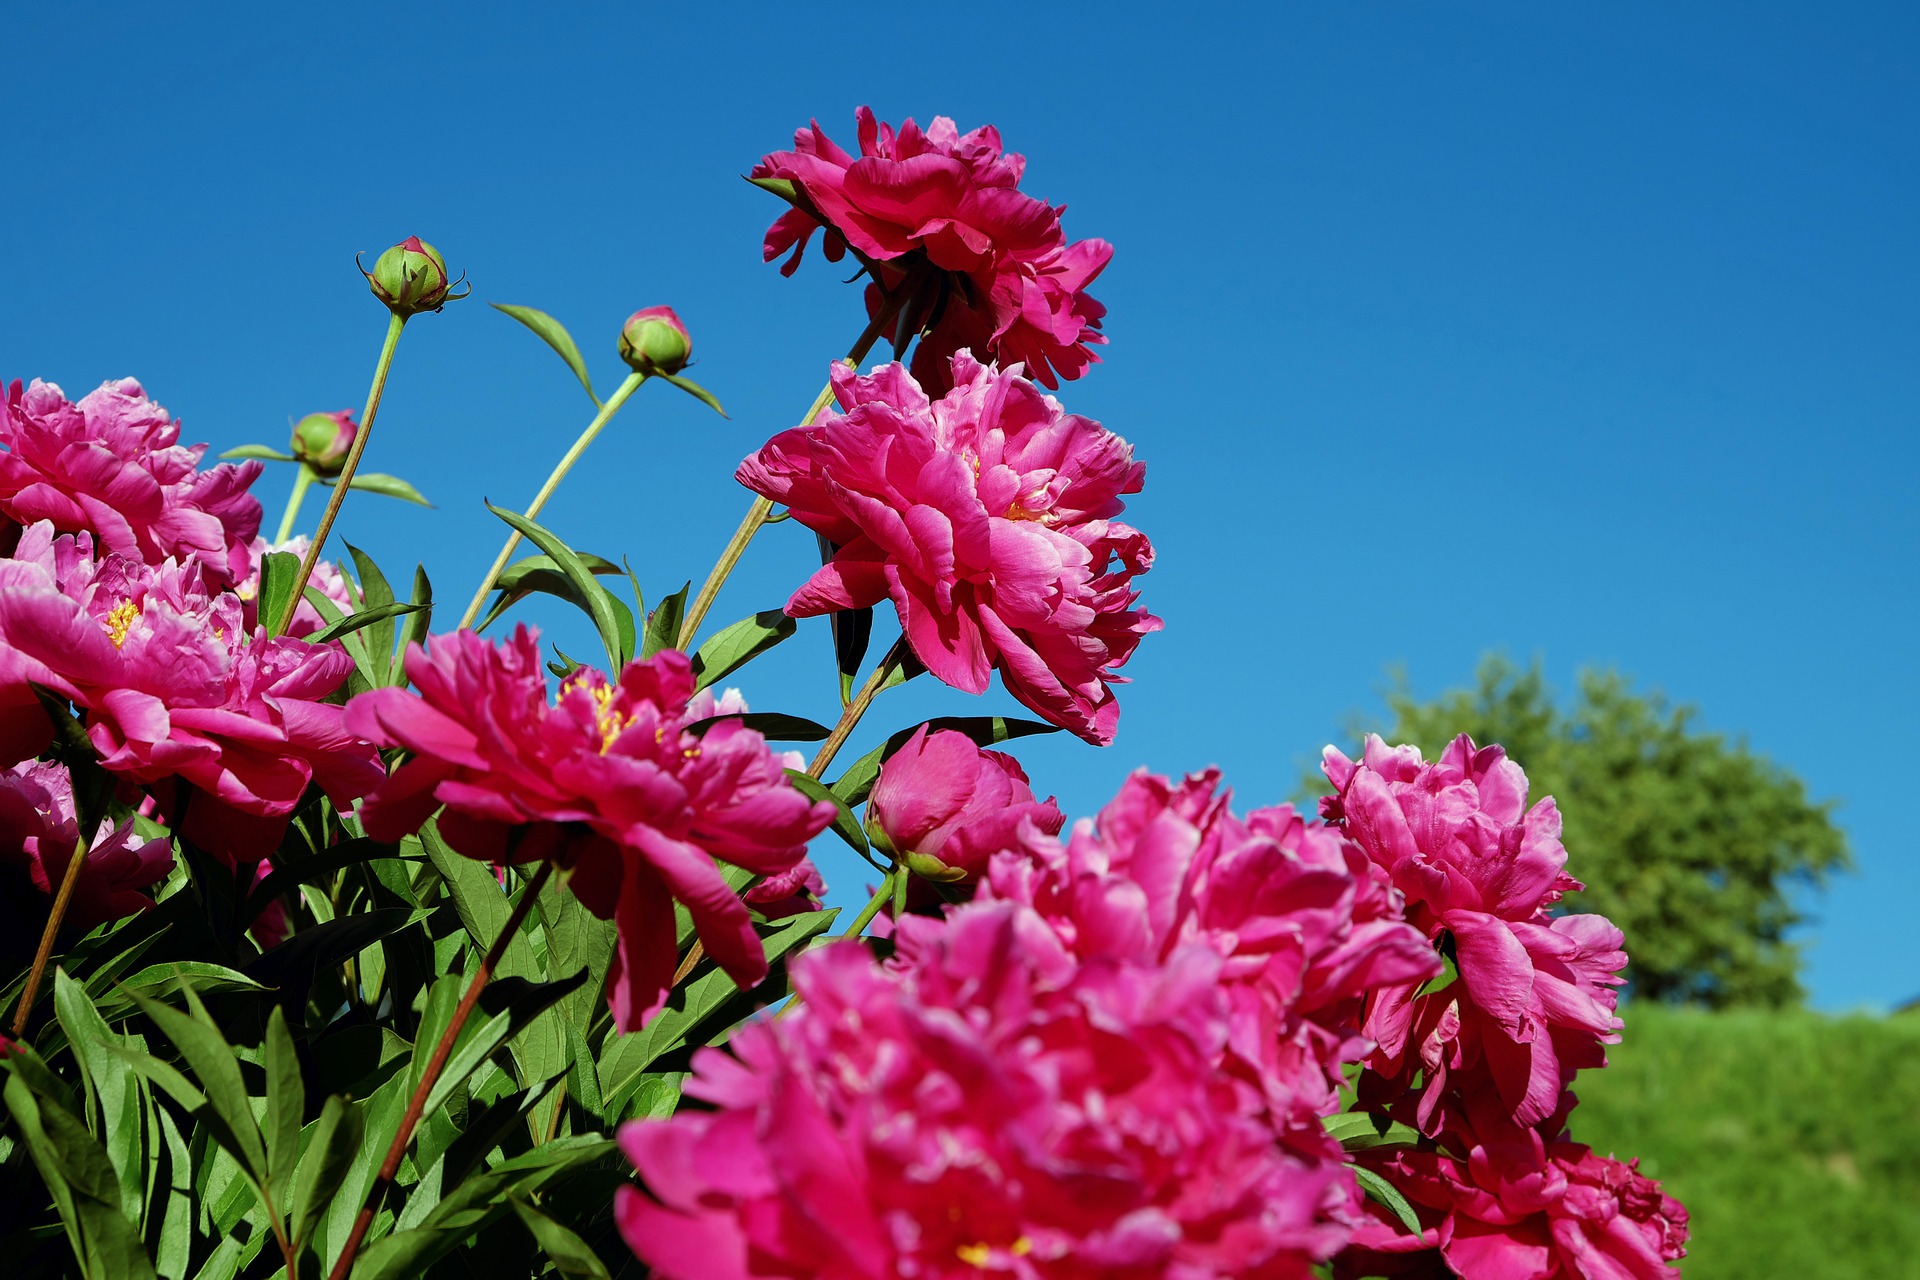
x=943 y=807
x=323 y=440
x=411 y=277
x=654 y=341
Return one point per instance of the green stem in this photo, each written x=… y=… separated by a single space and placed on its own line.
x=302 y=481
x=875 y=903
x=857 y=708
x=344 y=480
x=762 y=508
x=600 y=420
x=47 y=935
x=442 y=1050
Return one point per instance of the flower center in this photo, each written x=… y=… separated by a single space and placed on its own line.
x=979 y=1254
x=121 y=621
x=610 y=722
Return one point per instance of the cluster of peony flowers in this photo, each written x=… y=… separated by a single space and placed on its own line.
x=1115 y=1055
x=987 y=517
x=941 y=214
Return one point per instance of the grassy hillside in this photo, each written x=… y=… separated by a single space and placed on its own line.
x=1793 y=1138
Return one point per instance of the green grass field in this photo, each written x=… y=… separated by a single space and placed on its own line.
x=1793 y=1138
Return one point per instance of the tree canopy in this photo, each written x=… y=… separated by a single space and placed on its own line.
x=1691 y=843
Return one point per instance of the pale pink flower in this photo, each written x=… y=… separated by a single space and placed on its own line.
x=988 y=517
x=113 y=466
x=606 y=780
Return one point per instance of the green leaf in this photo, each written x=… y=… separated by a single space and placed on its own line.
x=774 y=725
x=286 y=1105
x=599 y=601
x=856 y=783
x=374 y=593
x=414 y=630
x=335 y=1137
x=385 y=485
x=690 y=1005
x=663 y=624
x=81 y=1180
x=1368 y=1130
x=541 y=574
x=257 y=451
x=523 y=1002
x=114 y=1101
x=735 y=646
x=555 y=335
x=1384 y=1193
x=845 y=825
x=207 y=1052
x=365 y=618
x=335 y=858
x=379 y=1120
x=278 y=569
x=695 y=390
x=482 y=905
x=570 y=1254
x=171 y=978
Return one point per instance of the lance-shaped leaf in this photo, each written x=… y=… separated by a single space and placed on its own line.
x=1367 y=1130
x=113 y=1096
x=845 y=825
x=383 y=484
x=347 y=853
x=540 y=573
x=776 y=726
x=414 y=630
x=379 y=615
x=555 y=335
x=1384 y=1193
x=278 y=569
x=695 y=390
x=330 y=1148
x=518 y=1002
x=569 y=1254
x=600 y=603
x=207 y=1052
x=286 y=1104
x=739 y=644
x=81 y=1181
x=257 y=451
x=663 y=624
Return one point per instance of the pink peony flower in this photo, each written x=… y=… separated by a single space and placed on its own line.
x=1535 y=1001
x=1302 y=930
x=271 y=927
x=985 y=1104
x=605 y=780
x=175 y=690
x=1007 y=283
x=792 y=892
x=39 y=832
x=326 y=578
x=1520 y=1205
x=988 y=517
x=113 y=466
x=946 y=806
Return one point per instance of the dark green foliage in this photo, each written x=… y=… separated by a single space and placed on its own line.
x=1689 y=842
x=1793 y=1138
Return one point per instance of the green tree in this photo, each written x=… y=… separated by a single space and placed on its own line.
x=1689 y=842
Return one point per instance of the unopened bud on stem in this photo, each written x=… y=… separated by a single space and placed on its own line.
x=411 y=277
x=322 y=440
x=653 y=341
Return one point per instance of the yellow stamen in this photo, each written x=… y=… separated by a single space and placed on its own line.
x=121 y=621
x=611 y=722
x=974 y=1255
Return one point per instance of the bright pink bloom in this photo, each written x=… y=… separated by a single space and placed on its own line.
x=270 y=928
x=1005 y=281
x=793 y=892
x=1302 y=930
x=988 y=517
x=946 y=806
x=113 y=466
x=1521 y=1207
x=175 y=689
x=1535 y=999
x=606 y=780
x=39 y=831
x=985 y=1104
x=326 y=578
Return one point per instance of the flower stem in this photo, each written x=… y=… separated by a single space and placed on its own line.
x=762 y=508
x=858 y=707
x=60 y=900
x=443 y=1050
x=875 y=903
x=344 y=480
x=302 y=481
x=607 y=410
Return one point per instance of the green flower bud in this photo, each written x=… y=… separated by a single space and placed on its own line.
x=411 y=277
x=654 y=341
x=323 y=440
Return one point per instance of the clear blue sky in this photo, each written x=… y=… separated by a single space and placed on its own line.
x=1583 y=334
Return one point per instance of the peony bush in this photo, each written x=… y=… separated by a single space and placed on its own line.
x=354 y=944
